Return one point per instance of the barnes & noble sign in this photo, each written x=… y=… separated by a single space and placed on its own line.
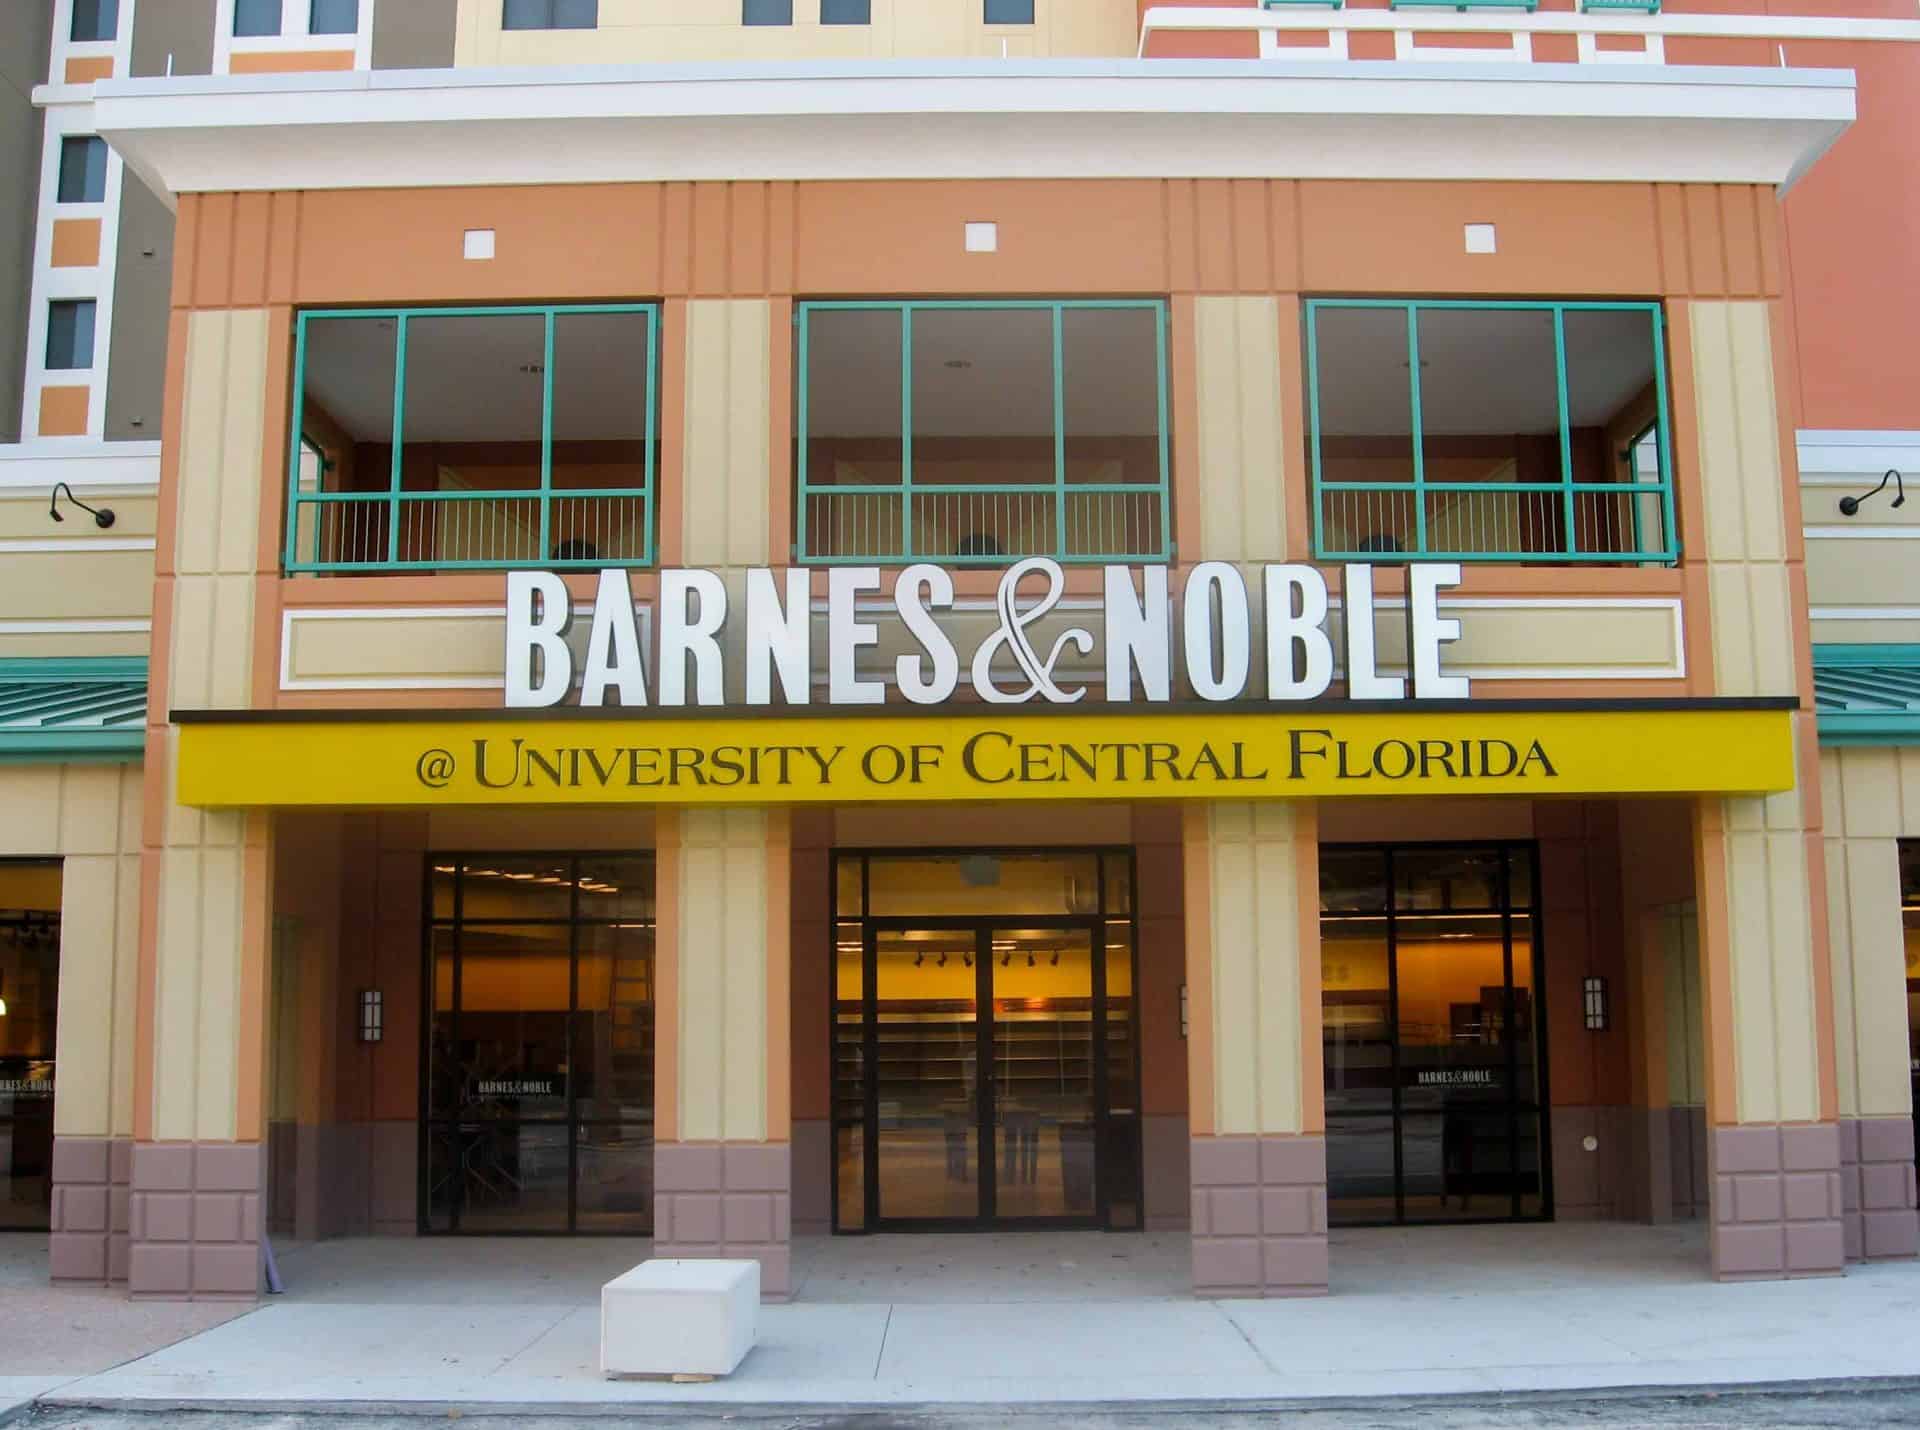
x=1150 y=706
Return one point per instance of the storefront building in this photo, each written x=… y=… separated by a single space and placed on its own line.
x=927 y=642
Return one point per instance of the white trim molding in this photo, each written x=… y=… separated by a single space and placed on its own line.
x=968 y=119
x=40 y=466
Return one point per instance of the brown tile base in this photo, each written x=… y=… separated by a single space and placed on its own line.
x=1259 y=1216
x=728 y=1200
x=1776 y=1201
x=196 y=1216
x=88 y=1244
x=1877 y=1189
x=812 y=1176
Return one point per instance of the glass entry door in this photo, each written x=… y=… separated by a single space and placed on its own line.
x=1431 y=1034
x=981 y=1049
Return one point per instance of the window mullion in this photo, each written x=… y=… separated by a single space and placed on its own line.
x=1670 y=545
x=1419 y=455
x=546 y=438
x=906 y=430
x=1162 y=317
x=1566 y=433
x=293 y=454
x=399 y=437
x=801 y=549
x=1313 y=417
x=1059 y=434
x=649 y=475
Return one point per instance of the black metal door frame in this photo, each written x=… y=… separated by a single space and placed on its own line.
x=986 y=1217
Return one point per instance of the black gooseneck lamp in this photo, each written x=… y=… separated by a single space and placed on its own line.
x=102 y=516
x=1850 y=505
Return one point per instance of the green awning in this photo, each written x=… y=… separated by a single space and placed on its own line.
x=1867 y=694
x=73 y=709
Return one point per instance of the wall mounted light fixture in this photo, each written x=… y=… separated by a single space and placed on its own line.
x=102 y=516
x=1850 y=505
x=1595 y=1003
x=372 y=1015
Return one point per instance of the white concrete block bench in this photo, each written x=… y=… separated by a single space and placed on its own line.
x=686 y=1319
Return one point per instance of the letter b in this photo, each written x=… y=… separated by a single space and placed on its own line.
x=538 y=613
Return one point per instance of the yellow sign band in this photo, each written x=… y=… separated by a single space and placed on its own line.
x=981 y=756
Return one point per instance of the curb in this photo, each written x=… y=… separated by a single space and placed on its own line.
x=747 y=1412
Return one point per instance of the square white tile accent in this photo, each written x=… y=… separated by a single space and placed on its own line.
x=983 y=238
x=477 y=243
x=1482 y=239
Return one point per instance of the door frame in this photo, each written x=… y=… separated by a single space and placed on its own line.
x=1543 y=1109
x=987 y=1217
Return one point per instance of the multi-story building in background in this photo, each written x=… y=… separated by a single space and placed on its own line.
x=921 y=363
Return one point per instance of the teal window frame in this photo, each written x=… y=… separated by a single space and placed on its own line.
x=1059 y=488
x=1566 y=488
x=396 y=499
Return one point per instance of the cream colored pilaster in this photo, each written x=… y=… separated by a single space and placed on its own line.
x=1237 y=375
x=724 y=488
x=1258 y=1155
x=1256 y=924
x=1742 y=483
x=1872 y=802
x=99 y=842
x=1865 y=820
x=199 y=1165
x=721 y=974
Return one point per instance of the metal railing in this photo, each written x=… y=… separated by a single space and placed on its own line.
x=981 y=523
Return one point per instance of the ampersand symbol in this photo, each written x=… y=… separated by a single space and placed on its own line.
x=1012 y=634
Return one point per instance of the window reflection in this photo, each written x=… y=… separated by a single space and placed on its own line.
x=540 y=1080
x=29 y=1003
x=1428 y=1034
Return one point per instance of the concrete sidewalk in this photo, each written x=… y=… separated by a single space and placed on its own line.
x=1053 y=1319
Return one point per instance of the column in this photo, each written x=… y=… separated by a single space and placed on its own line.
x=199 y=1159
x=1259 y=1158
x=1773 y=1152
x=96 y=810
x=723 y=1156
x=1773 y=1148
x=1872 y=801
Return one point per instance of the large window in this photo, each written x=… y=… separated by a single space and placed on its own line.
x=1516 y=432
x=976 y=433
x=454 y=439
x=29 y=1003
x=539 y=1066
x=1431 y=1032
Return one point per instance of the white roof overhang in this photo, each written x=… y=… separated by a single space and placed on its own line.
x=975 y=120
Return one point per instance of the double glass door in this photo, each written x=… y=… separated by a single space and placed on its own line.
x=981 y=1054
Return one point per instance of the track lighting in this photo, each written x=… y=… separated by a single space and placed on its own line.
x=1030 y=962
x=918 y=959
x=966 y=960
x=1054 y=962
x=1005 y=959
x=941 y=961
